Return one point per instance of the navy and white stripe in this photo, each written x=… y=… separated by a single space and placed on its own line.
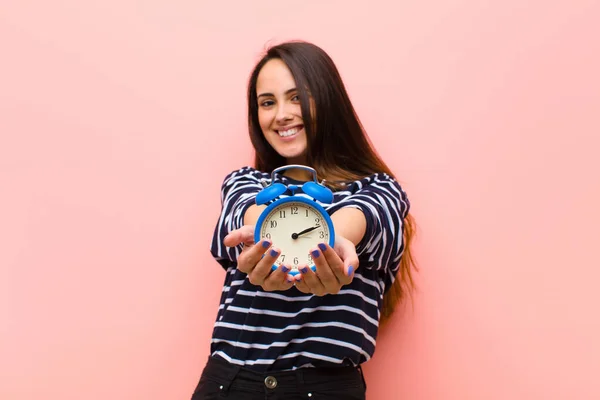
x=289 y=329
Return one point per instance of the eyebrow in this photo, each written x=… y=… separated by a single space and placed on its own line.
x=271 y=94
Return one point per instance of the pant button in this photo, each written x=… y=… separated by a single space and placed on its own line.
x=270 y=382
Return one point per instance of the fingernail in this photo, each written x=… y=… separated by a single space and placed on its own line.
x=304 y=270
x=322 y=246
x=350 y=270
x=266 y=244
x=315 y=253
x=273 y=252
x=284 y=269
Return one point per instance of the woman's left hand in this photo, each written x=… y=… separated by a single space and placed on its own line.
x=335 y=268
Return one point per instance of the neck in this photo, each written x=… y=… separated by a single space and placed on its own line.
x=298 y=174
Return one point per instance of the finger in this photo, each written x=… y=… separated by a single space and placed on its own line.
x=261 y=261
x=250 y=257
x=301 y=284
x=311 y=280
x=348 y=254
x=337 y=265
x=324 y=270
x=245 y=235
x=279 y=279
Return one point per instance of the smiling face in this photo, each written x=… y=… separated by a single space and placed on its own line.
x=279 y=111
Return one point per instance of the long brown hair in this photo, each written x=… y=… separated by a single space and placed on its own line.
x=340 y=150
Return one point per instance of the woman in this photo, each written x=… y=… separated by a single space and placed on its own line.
x=305 y=336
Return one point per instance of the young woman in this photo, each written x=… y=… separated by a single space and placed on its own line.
x=304 y=336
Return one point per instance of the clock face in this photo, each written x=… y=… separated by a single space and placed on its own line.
x=295 y=228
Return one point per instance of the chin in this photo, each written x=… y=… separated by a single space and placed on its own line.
x=291 y=154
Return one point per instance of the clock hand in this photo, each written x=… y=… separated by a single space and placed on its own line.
x=295 y=235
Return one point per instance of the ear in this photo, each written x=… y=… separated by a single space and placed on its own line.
x=270 y=192
x=318 y=192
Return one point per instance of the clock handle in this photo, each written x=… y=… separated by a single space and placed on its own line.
x=314 y=189
x=274 y=190
x=304 y=167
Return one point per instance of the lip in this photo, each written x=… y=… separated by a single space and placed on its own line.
x=292 y=137
x=285 y=128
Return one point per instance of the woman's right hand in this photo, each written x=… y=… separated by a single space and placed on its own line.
x=257 y=267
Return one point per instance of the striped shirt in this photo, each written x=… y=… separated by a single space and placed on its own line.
x=284 y=330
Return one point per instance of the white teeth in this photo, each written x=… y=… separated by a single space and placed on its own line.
x=289 y=132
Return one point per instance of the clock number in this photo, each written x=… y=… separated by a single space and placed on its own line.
x=306 y=213
x=281 y=213
x=282 y=258
x=317 y=220
x=273 y=224
x=294 y=210
x=268 y=236
x=321 y=235
x=295 y=260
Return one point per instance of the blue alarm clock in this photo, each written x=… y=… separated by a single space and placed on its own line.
x=295 y=224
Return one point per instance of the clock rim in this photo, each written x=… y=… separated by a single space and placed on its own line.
x=294 y=199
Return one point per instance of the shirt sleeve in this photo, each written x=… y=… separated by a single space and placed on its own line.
x=385 y=206
x=238 y=193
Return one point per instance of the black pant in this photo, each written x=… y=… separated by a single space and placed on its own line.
x=221 y=379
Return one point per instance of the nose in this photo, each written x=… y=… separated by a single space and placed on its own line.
x=283 y=113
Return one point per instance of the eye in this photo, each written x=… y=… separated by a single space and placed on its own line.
x=296 y=98
x=267 y=103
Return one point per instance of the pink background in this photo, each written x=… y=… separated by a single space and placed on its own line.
x=113 y=112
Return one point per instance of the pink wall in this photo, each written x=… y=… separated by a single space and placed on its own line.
x=489 y=112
